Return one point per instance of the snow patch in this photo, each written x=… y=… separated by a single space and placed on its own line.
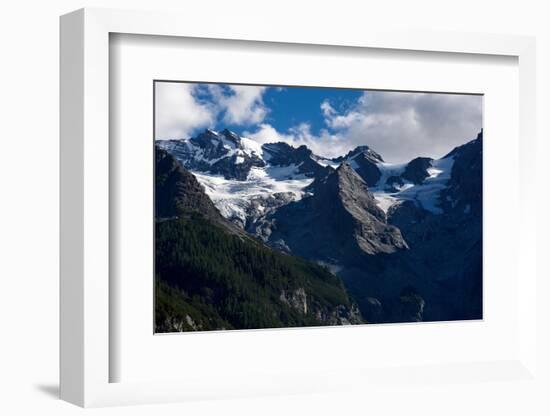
x=387 y=170
x=425 y=195
x=252 y=147
x=327 y=162
x=385 y=200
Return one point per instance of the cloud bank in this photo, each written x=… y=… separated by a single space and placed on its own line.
x=397 y=125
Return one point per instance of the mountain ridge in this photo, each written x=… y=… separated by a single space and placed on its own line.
x=283 y=173
x=375 y=224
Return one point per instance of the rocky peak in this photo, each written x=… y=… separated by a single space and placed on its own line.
x=365 y=164
x=340 y=220
x=353 y=192
x=231 y=136
x=347 y=176
x=417 y=170
x=473 y=146
x=364 y=150
x=224 y=140
x=464 y=190
x=206 y=138
x=283 y=154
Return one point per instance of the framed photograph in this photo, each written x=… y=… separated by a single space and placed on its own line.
x=290 y=213
x=307 y=223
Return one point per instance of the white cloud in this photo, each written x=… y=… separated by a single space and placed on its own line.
x=241 y=105
x=338 y=121
x=324 y=144
x=266 y=133
x=177 y=112
x=401 y=126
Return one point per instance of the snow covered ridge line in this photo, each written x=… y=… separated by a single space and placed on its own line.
x=210 y=147
x=246 y=180
x=425 y=194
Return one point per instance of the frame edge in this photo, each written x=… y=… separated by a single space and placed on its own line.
x=71 y=201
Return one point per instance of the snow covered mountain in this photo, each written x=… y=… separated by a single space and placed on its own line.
x=246 y=180
x=223 y=153
x=376 y=224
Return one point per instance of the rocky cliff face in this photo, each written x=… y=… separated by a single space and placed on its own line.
x=340 y=221
x=304 y=304
x=442 y=271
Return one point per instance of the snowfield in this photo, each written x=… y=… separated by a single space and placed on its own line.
x=233 y=197
x=425 y=195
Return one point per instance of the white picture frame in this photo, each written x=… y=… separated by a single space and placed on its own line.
x=85 y=355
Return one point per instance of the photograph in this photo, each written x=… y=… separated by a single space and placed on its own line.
x=295 y=206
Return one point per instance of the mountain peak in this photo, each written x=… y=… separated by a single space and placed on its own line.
x=472 y=143
x=283 y=154
x=228 y=133
x=366 y=151
x=346 y=220
x=362 y=148
x=210 y=135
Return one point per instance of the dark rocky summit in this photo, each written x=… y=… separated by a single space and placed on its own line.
x=282 y=154
x=417 y=170
x=338 y=223
x=364 y=161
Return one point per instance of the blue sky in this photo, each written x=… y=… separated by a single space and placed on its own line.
x=331 y=121
x=291 y=106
